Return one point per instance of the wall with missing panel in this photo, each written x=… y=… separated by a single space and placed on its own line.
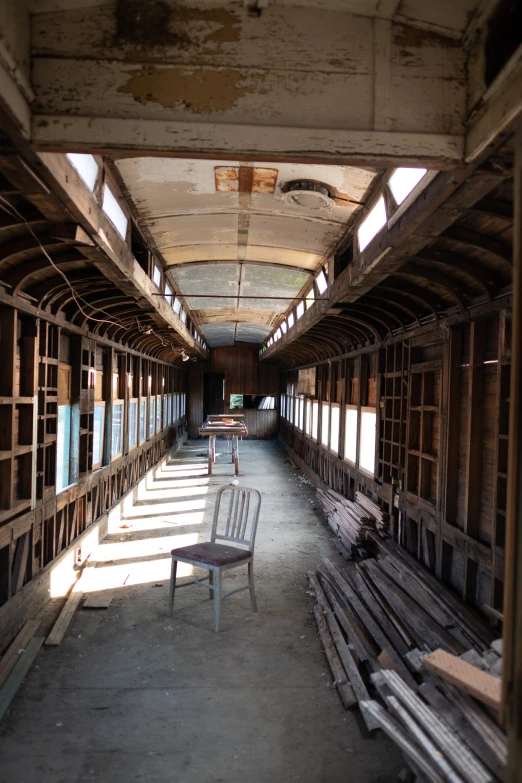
x=421 y=424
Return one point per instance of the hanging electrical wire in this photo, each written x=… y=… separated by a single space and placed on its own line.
x=13 y=212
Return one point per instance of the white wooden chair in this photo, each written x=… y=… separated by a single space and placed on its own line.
x=239 y=521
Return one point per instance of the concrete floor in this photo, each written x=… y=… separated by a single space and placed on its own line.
x=134 y=695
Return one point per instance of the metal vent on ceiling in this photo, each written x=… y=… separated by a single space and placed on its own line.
x=308 y=194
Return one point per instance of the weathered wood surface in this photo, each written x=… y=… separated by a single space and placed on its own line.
x=19 y=644
x=90 y=67
x=344 y=689
x=17 y=674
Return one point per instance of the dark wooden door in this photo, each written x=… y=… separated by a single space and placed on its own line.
x=214 y=393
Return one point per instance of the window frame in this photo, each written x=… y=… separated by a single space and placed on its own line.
x=133 y=401
x=142 y=409
x=117 y=404
x=151 y=426
x=100 y=463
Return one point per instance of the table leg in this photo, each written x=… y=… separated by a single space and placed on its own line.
x=210 y=455
x=236 y=458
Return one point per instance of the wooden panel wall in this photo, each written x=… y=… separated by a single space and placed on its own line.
x=442 y=402
x=244 y=374
x=195 y=399
x=262 y=425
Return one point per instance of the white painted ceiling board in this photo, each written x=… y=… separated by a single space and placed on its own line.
x=305 y=234
x=186 y=254
x=282 y=255
x=193 y=228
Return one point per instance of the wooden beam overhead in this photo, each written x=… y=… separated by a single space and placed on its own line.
x=173 y=100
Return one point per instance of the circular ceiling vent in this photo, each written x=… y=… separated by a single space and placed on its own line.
x=307 y=194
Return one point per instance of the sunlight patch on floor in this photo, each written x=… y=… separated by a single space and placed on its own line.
x=154 y=570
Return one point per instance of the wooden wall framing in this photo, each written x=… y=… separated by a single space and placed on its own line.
x=442 y=404
x=36 y=523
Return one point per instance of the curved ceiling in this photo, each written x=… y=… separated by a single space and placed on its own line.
x=239 y=244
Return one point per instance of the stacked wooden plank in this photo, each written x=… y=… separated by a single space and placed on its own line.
x=17 y=661
x=381 y=517
x=382 y=618
x=441 y=740
x=349 y=521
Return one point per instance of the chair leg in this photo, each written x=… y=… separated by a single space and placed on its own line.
x=211 y=582
x=217 y=599
x=251 y=586
x=173 y=571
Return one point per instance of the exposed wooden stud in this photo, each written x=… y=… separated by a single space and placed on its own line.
x=474 y=434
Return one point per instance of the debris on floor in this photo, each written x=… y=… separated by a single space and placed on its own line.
x=419 y=664
x=97 y=602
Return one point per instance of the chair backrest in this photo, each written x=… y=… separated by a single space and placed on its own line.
x=236 y=515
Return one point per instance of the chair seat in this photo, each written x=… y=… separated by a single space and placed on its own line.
x=212 y=554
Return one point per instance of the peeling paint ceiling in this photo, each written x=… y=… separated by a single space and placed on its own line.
x=237 y=230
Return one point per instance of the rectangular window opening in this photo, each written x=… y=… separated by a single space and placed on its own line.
x=98 y=434
x=133 y=424
x=322 y=282
x=114 y=212
x=350 y=435
x=334 y=428
x=403 y=181
x=156 y=275
x=315 y=419
x=367 y=441
x=86 y=167
x=372 y=224
x=117 y=423
x=325 y=420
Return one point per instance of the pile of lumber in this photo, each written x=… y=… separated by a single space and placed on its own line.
x=420 y=665
x=349 y=521
x=381 y=517
x=352 y=522
x=444 y=734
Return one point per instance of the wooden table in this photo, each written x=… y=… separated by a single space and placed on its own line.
x=212 y=430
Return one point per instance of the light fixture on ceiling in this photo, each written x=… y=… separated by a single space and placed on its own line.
x=184 y=356
x=308 y=194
